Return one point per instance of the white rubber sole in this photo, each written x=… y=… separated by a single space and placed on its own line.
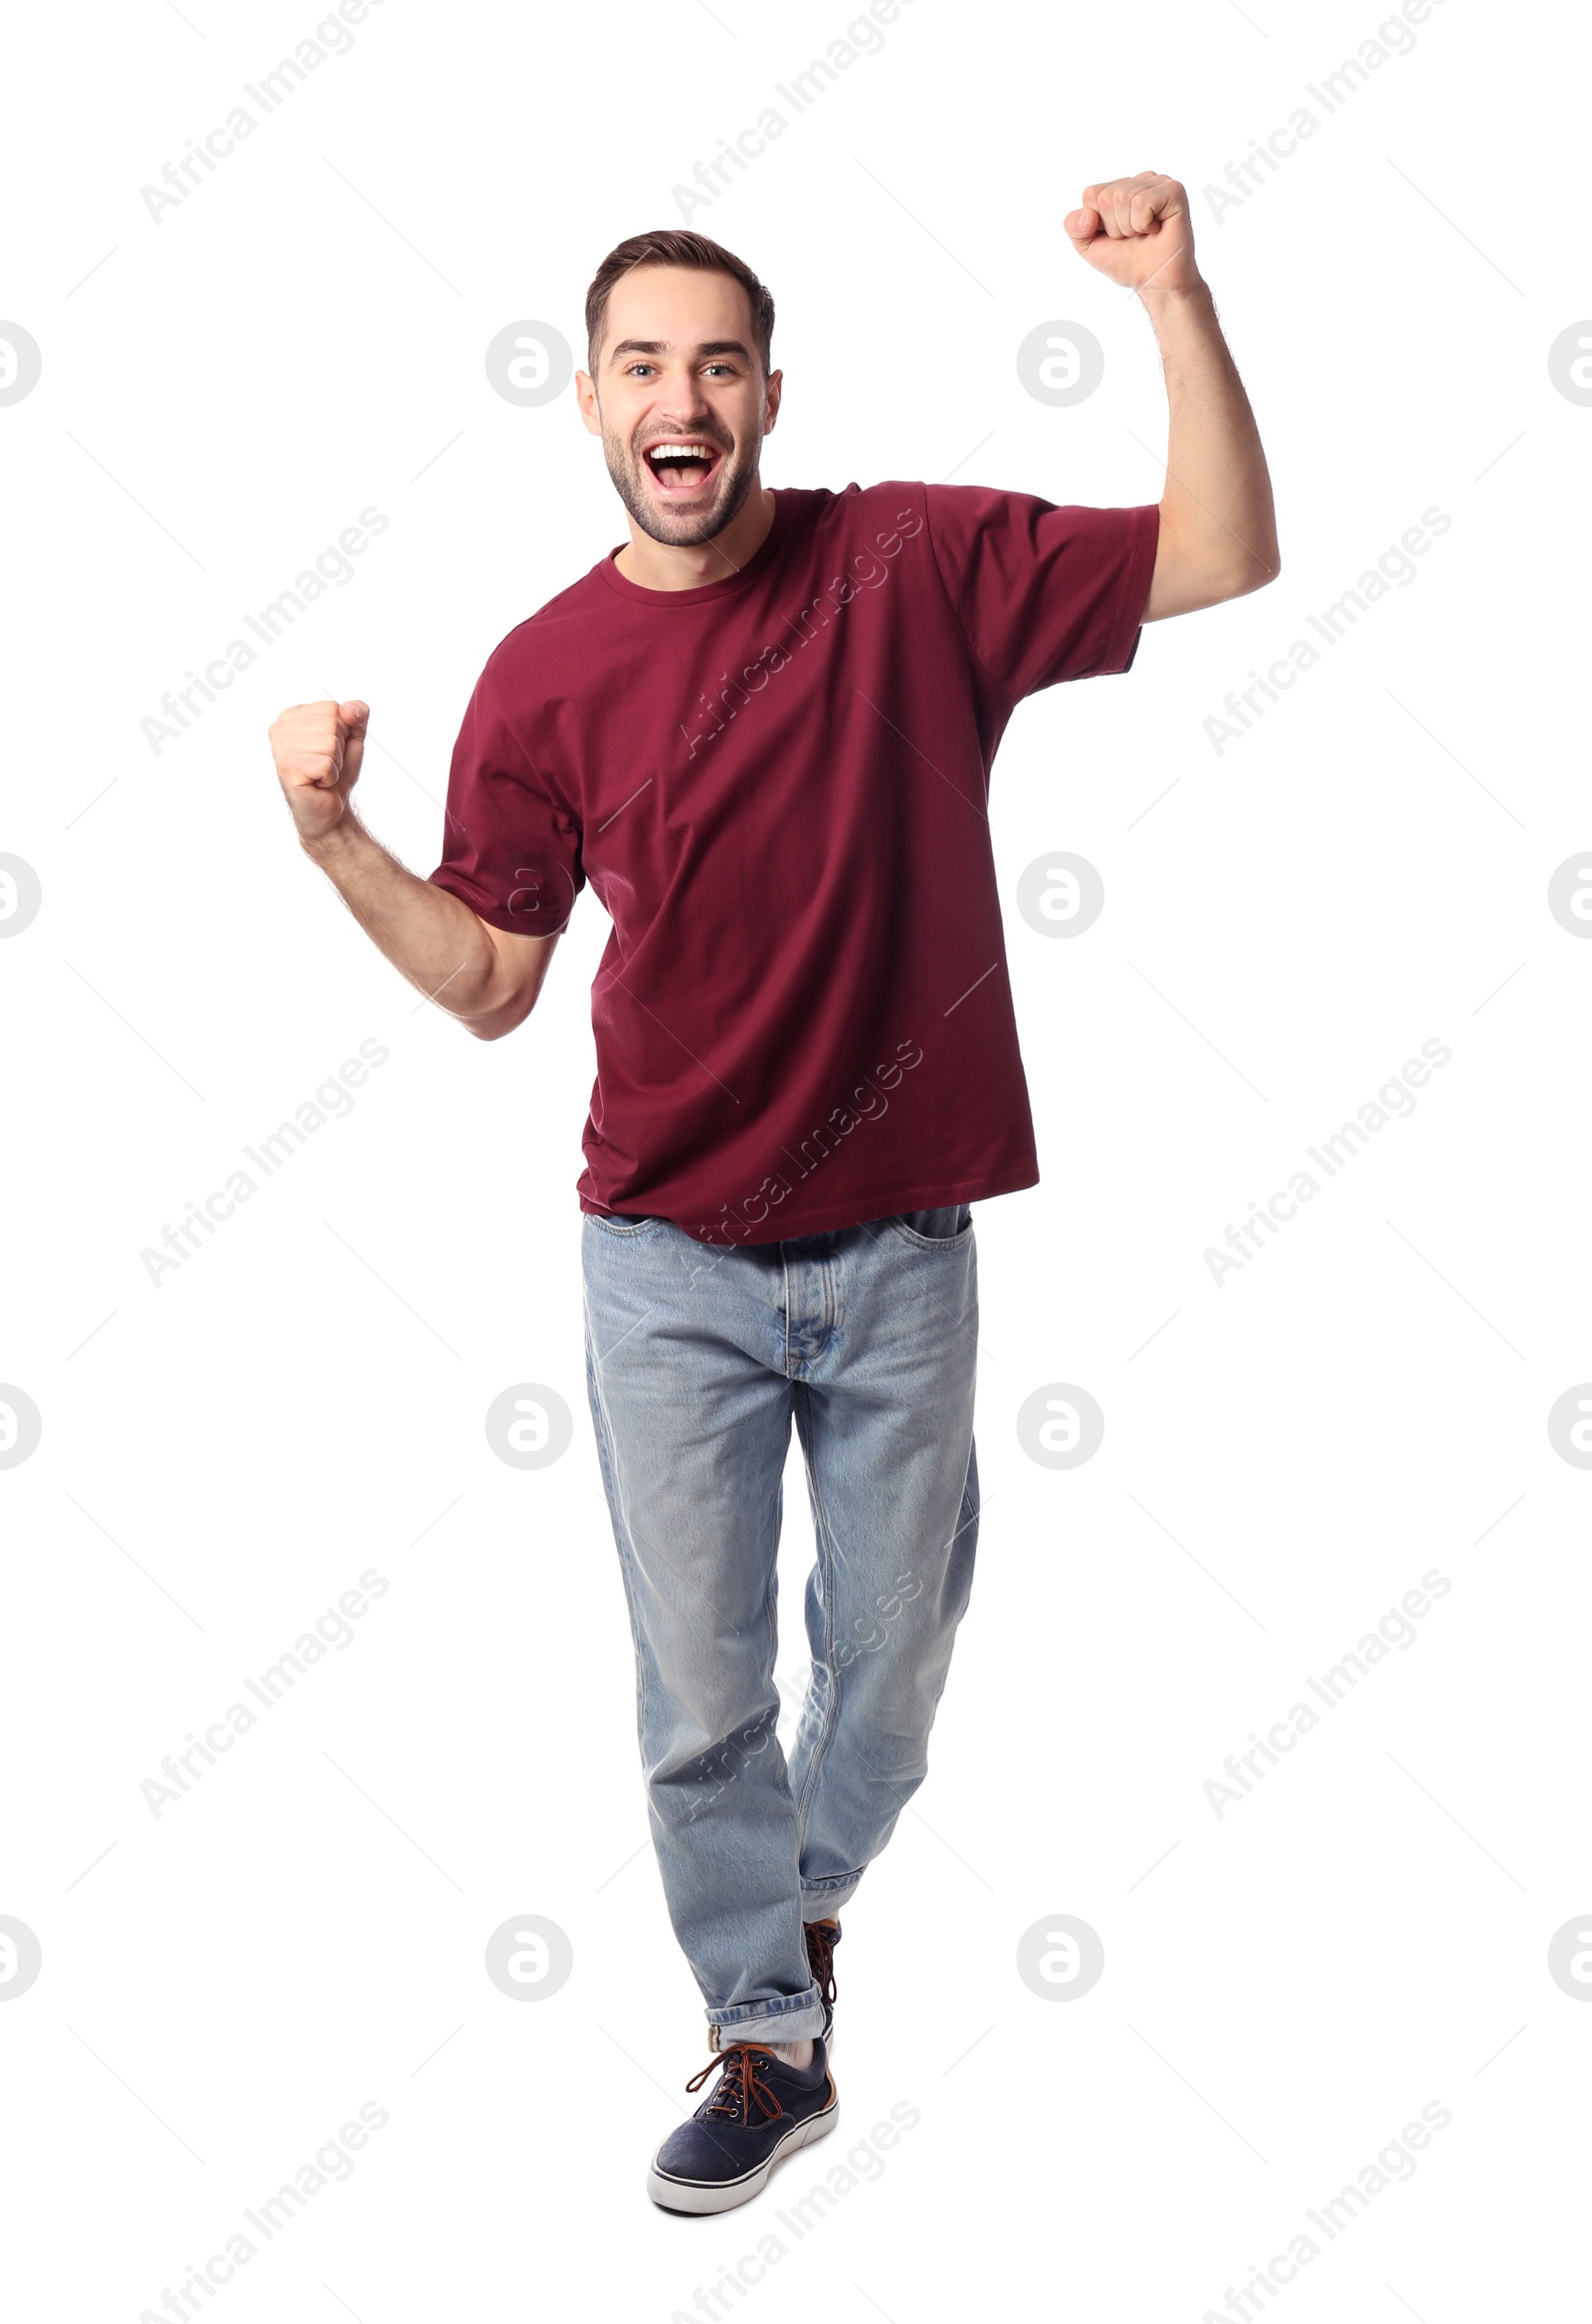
x=715 y=2195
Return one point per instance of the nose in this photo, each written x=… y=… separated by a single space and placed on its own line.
x=685 y=396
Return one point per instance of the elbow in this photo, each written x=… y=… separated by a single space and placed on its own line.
x=1192 y=575
x=499 y=1021
x=1256 y=570
x=1259 y=573
x=1251 y=565
x=515 y=984
x=1269 y=567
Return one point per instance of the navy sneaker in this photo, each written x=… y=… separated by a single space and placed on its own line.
x=822 y=1938
x=761 y=2109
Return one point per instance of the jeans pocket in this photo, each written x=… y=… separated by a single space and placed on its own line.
x=942 y=1230
x=626 y=1226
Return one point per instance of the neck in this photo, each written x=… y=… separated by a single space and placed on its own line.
x=659 y=564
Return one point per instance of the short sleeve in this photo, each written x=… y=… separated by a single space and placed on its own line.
x=511 y=850
x=1043 y=593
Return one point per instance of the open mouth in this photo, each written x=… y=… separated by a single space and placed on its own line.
x=682 y=464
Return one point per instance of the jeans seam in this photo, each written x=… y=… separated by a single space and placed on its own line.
x=771 y=1611
x=825 y=1577
x=604 y=1435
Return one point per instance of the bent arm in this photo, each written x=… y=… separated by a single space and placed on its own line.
x=1218 y=528
x=490 y=981
x=487 y=979
x=1218 y=532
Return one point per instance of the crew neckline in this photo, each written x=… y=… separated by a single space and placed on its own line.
x=761 y=556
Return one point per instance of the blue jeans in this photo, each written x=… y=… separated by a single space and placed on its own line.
x=698 y=1358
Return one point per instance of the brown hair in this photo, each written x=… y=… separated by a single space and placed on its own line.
x=667 y=246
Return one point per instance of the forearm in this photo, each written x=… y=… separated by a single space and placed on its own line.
x=428 y=935
x=1216 y=502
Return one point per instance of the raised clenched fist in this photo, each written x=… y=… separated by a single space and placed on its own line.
x=317 y=746
x=1137 y=232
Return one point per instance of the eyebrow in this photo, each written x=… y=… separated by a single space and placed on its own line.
x=662 y=347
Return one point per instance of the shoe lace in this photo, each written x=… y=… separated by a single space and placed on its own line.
x=820 y=1937
x=740 y=2088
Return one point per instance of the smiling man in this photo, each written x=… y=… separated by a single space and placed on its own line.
x=761 y=730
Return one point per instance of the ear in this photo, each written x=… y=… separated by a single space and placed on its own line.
x=771 y=395
x=586 y=397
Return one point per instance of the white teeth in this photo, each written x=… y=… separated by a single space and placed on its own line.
x=680 y=452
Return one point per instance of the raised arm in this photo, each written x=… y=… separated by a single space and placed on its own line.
x=1218 y=531
x=480 y=975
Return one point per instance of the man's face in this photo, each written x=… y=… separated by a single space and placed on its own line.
x=677 y=374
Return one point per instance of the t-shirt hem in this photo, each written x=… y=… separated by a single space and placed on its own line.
x=495 y=915
x=1137 y=575
x=783 y=1224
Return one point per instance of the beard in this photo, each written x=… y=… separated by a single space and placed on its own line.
x=686 y=527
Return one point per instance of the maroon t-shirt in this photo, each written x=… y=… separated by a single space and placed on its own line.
x=778 y=786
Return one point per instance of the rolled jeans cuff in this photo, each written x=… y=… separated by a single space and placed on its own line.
x=822 y=1899
x=793 y=2017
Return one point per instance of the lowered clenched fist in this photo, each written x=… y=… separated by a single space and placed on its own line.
x=317 y=746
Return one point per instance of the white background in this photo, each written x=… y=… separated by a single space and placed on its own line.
x=223 y=1456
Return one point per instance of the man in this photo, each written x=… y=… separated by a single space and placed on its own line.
x=761 y=730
